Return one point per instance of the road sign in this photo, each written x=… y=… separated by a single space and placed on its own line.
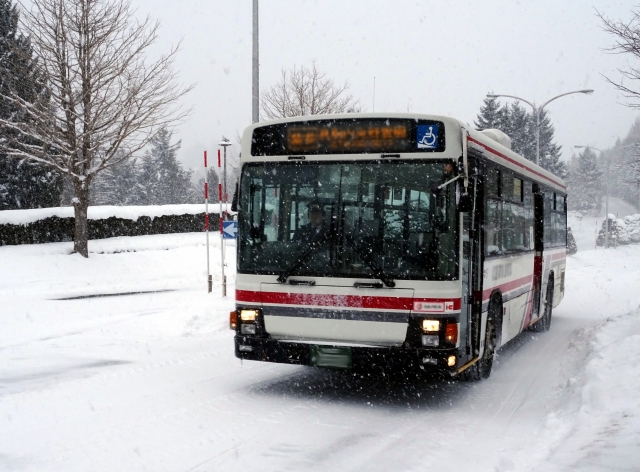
x=229 y=229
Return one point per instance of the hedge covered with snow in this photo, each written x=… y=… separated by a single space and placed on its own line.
x=47 y=225
x=621 y=230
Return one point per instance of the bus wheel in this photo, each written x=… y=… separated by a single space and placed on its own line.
x=548 y=307
x=482 y=369
x=544 y=323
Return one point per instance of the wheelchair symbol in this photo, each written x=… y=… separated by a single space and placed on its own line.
x=429 y=139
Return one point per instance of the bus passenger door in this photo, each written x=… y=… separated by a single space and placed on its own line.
x=471 y=269
x=538 y=208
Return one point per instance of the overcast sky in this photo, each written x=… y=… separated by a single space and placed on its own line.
x=427 y=56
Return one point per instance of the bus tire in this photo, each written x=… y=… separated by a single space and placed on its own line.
x=544 y=323
x=482 y=369
x=548 y=306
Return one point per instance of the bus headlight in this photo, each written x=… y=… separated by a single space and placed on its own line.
x=248 y=315
x=430 y=326
x=248 y=328
x=430 y=340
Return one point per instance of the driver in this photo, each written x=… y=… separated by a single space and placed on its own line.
x=316 y=227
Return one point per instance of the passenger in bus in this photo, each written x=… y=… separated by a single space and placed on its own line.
x=448 y=168
x=316 y=228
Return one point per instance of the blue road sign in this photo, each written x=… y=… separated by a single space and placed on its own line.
x=229 y=230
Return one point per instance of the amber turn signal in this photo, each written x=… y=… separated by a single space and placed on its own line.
x=233 y=320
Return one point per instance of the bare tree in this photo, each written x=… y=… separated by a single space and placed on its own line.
x=104 y=101
x=306 y=91
x=627 y=41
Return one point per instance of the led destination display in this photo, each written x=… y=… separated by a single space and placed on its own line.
x=348 y=136
x=367 y=137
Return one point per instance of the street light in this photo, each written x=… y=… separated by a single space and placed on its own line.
x=538 y=110
x=224 y=143
x=606 y=187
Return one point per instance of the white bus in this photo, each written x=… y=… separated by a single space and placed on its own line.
x=392 y=240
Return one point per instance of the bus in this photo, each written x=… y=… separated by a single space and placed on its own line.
x=392 y=240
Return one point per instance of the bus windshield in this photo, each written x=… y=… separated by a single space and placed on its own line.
x=355 y=219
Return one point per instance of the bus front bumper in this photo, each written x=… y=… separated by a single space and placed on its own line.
x=285 y=352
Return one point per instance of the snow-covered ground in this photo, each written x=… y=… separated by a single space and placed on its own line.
x=96 y=377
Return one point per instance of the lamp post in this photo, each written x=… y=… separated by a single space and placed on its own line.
x=606 y=187
x=255 y=68
x=538 y=110
x=224 y=143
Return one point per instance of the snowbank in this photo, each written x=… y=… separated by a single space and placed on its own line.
x=23 y=217
x=601 y=432
x=621 y=230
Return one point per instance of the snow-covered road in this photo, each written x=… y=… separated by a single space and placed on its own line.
x=148 y=381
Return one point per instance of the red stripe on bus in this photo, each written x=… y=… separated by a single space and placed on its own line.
x=519 y=164
x=507 y=287
x=345 y=301
x=560 y=255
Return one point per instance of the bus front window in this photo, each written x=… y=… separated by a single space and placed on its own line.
x=393 y=212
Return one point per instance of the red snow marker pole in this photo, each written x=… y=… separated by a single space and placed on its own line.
x=206 y=220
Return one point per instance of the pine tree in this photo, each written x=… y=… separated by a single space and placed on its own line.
x=491 y=115
x=117 y=185
x=624 y=166
x=520 y=125
x=550 y=152
x=22 y=184
x=213 y=187
x=162 y=179
x=585 y=182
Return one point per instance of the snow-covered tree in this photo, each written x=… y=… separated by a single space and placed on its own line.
x=491 y=115
x=162 y=179
x=624 y=166
x=22 y=184
x=520 y=124
x=213 y=186
x=550 y=152
x=626 y=34
x=117 y=185
x=585 y=182
x=306 y=91
x=105 y=100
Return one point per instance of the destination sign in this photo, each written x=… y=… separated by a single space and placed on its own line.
x=338 y=138
x=348 y=136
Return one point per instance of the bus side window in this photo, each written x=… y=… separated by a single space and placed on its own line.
x=492 y=228
x=513 y=227
x=560 y=221
x=493 y=183
x=528 y=215
x=549 y=230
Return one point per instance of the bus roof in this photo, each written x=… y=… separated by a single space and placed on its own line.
x=477 y=141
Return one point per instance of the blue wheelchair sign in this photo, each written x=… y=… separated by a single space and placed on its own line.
x=427 y=137
x=229 y=230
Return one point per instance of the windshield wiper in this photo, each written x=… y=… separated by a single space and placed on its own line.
x=375 y=268
x=295 y=265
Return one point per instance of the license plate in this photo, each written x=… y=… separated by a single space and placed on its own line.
x=333 y=357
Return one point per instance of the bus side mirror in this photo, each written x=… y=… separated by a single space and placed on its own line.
x=465 y=205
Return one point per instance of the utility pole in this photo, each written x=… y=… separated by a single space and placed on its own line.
x=255 y=102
